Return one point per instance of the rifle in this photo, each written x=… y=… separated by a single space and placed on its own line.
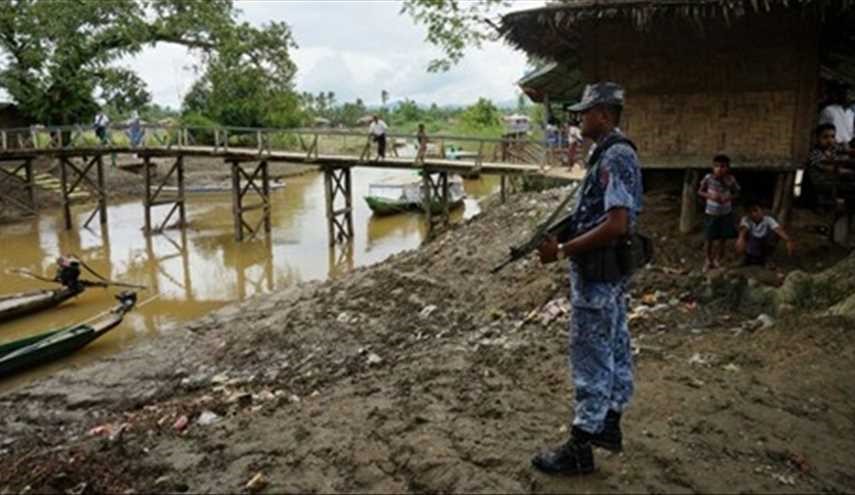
x=554 y=225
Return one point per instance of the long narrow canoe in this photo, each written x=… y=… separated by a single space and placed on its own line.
x=24 y=303
x=49 y=346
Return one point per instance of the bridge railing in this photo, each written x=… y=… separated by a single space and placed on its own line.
x=311 y=141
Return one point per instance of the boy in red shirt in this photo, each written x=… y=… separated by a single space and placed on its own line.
x=718 y=189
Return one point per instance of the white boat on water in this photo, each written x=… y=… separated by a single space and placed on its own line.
x=403 y=193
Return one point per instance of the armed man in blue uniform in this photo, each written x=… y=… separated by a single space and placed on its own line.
x=604 y=219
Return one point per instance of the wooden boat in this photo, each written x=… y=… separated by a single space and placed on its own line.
x=24 y=303
x=48 y=346
x=399 y=194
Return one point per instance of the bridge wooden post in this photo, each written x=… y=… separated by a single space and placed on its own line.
x=147 y=197
x=435 y=194
x=427 y=187
x=182 y=211
x=239 y=193
x=30 y=205
x=152 y=199
x=338 y=184
x=102 y=194
x=236 y=201
x=66 y=202
x=689 y=206
x=265 y=190
x=73 y=177
x=31 y=183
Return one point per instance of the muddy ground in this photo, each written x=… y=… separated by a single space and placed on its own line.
x=123 y=184
x=425 y=373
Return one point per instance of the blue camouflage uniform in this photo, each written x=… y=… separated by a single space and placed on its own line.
x=600 y=354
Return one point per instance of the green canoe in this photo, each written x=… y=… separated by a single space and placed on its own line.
x=24 y=303
x=49 y=346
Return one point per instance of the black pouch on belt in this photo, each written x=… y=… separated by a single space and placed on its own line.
x=600 y=265
x=613 y=263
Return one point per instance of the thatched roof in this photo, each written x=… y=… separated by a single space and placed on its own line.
x=552 y=32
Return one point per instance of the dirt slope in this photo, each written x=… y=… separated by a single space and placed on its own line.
x=423 y=374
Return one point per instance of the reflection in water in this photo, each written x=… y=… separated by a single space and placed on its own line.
x=202 y=268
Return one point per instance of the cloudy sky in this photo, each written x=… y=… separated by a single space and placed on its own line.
x=355 y=48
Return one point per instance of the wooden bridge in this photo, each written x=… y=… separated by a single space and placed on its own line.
x=247 y=152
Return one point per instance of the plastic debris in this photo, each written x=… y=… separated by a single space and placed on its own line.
x=207 y=418
x=181 y=423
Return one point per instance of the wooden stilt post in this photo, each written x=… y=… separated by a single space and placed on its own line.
x=66 y=201
x=348 y=201
x=446 y=218
x=689 y=207
x=102 y=191
x=786 y=201
x=778 y=195
x=328 y=193
x=236 y=201
x=265 y=188
x=427 y=186
x=504 y=189
x=185 y=266
x=182 y=212
x=338 y=181
x=147 y=200
x=31 y=184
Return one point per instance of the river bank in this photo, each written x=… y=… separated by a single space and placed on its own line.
x=426 y=373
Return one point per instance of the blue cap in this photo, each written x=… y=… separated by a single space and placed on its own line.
x=601 y=93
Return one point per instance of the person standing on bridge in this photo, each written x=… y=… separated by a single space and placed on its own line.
x=422 y=138
x=377 y=129
x=600 y=354
x=100 y=125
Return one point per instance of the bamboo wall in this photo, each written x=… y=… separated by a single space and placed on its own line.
x=748 y=90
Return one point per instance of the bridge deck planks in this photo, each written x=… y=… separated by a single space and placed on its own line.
x=286 y=156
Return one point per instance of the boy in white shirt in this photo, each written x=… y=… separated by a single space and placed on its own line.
x=100 y=125
x=758 y=236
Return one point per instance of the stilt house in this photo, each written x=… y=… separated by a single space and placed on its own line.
x=742 y=77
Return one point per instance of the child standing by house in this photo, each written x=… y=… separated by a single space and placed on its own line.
x=718 y=188
x=758 y=236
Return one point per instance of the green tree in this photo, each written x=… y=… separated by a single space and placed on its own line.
x=407 y=111
x=59 y=56
x=241 y=96
x=453 y=25
x=384 y=97
x=351 y=112
x=483 y=114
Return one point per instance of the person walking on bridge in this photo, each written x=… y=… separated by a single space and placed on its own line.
x=100 y=125
x=600 y=354
x=377 y=129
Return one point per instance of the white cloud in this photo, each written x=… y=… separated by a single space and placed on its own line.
x=356 y=49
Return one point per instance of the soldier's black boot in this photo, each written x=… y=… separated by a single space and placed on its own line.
x=576 y=456
x=611 y=437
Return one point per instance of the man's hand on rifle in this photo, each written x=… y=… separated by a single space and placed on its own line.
x=548 y=251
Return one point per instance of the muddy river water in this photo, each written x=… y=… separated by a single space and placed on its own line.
x=200 y=268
